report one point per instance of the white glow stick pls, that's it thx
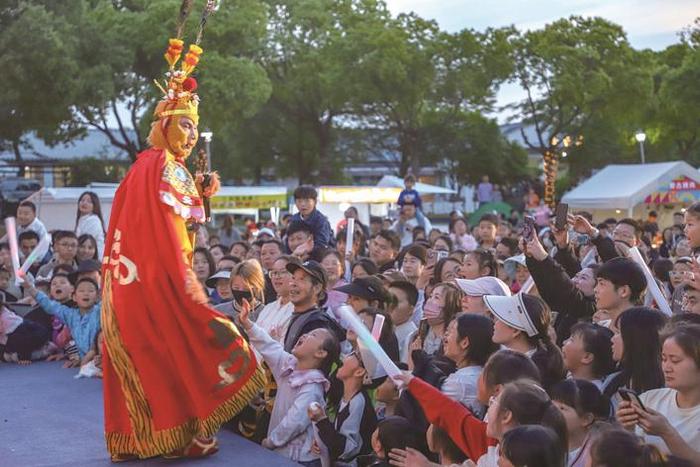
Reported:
(378, 325)
(38, 252)
(349, 239)
(653, 287)
(355, 324)
(11, 229)
(527, 286)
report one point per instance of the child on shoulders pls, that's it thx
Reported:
(301, 379)
(409, 195)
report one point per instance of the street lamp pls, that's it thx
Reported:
(207, 135)
(640, 136)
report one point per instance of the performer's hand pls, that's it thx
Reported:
(244, 315)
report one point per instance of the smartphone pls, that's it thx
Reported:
(631, 396)
(561, 214)
(431, 257)
(441, 254)
(583, 239)
(528, 228)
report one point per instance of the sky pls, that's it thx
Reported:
(653, 24)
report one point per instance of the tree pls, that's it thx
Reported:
(574, 71)
(414, 70)
(39, 69)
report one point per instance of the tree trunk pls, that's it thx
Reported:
(18, 158)
(323, 133)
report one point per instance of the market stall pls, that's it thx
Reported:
(634, 190)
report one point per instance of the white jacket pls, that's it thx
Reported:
(290, 431)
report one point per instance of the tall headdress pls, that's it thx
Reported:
(179, 97)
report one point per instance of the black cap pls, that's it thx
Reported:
(369, 288)
(312, 268)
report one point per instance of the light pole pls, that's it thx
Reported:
(207, 135)
(640, 136)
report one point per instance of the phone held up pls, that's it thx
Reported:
(561, 214)
(529, 228)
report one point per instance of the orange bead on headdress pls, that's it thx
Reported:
(179, 96)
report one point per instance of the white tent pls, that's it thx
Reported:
(422, 188)
(623, 189)
(57, 207)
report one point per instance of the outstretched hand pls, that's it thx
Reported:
(244, 315)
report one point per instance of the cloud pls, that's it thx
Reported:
(649, 23)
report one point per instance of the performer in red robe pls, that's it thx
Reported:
(174, 368)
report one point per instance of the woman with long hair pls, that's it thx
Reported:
(203, 264)
(468, 343)
(522, 323)
(670, 417)
(87, 248)
(88, 219)
(636, 347)
(440, 308)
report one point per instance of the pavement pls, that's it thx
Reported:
(48, 418)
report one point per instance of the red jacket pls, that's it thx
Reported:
(466, 430)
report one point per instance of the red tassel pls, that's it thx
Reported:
(190, 84)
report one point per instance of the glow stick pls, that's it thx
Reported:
(11, 229)
(377, 328)
(659, 297)
(38, 252)
(349, 239)
(368, 341)
(527, 286)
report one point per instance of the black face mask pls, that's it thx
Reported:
(240, 295)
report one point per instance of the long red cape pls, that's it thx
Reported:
(173, 369)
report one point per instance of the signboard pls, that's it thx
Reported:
(683, 190)
(223, 203)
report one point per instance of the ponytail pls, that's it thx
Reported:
(547, 356)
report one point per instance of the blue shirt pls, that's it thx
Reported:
(319, 225)
(83, 328)
(410, 196)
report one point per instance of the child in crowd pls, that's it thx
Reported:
(409, 195)
(83, 320)
(393, 433)
(588, 354)
(21, 340)
(305, 197)
(530, 445)
(301, 379)
(27, 220)
(584, 408)
(349, 435)
(5, 278)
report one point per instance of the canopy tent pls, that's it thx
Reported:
(630, 189)
(57, 207)
(422, 188)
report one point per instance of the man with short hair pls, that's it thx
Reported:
(626, 234)
(620, 284)
(27, 219)
(507, 248)
(404, 298)
(28, 241)
(307, 292)
(383, 249)
(410, 218)
(65, 246)
(413, 262)
(305, 197)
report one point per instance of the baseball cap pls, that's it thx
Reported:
(223, 274)
(311, 268)
(266, 231)
(369, 288)
(511, 310)
(519, 259)
(487, 285)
